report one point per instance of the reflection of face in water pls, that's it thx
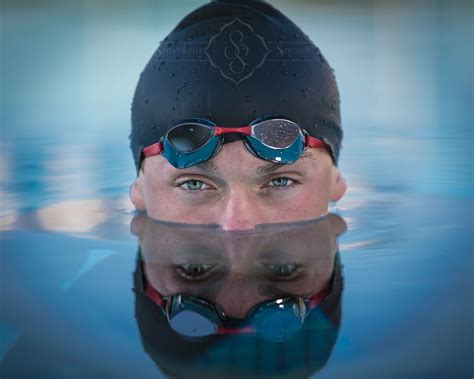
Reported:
(236, 272)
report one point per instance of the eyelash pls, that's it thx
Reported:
(181, 185)
(294, 271)
(183, 271)
(279, 188)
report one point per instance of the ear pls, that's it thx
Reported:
(136, 193)
(339, 186)
(137, 224)
(338, 224)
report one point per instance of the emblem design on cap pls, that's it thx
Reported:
(237, 51)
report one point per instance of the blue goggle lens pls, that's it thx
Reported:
(278, 134)
(191, 324)
(189, 137)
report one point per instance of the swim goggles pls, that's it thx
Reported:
(197, 140)
(275, 320)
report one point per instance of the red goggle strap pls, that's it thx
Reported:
(154, 149)
(247, 130)
(314, 142)
(317, 299)
(154, 295)
(226, 331)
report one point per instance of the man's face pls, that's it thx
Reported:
(237, 190)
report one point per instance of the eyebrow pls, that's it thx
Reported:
(272, 291)
(209, 288)
(262, 170)
(269, 167)
(265, 169)
(273, 166)
(208, 166)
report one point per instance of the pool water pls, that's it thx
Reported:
(70, 306)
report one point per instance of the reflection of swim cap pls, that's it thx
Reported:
(233, 61)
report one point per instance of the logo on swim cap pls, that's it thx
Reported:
(237, 51)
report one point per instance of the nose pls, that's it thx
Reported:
(240, 211)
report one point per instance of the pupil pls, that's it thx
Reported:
(194, 184)
(281, 182)
(281, 270)
(195, 270)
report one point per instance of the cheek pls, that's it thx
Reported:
(311, 198)
(309, 201)
(164, 203)
(319, 190)
(160, 200)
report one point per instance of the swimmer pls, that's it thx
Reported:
(236, 122)
(267, 305)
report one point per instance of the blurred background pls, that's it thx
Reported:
(69, 70)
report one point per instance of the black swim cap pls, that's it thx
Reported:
(232, 62)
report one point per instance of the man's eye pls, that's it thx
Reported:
(281, 182)
(283, 270)
(195, 270)
(194, 185)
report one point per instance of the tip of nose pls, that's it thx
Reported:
(237, 227)
(240, 210)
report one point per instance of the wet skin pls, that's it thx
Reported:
(237, 190)
(236, 271)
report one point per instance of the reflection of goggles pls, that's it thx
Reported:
(275, 320)
(197, 140)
